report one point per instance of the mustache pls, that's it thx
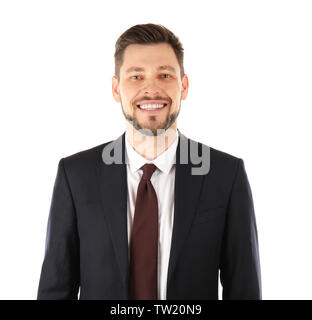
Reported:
(152, 98)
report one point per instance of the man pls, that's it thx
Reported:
(140, 217)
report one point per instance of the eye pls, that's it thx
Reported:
(166, 75)
(135, 77)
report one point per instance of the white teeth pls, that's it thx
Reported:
(151, 106)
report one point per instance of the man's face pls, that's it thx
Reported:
(150, 78)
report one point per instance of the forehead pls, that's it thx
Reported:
(149, 55)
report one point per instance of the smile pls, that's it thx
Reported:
(153, 106)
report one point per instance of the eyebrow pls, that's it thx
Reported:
(160, 68)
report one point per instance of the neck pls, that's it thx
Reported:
(150, 147)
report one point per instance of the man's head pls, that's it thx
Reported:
(149, 73)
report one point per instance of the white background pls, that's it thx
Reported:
(250, 72)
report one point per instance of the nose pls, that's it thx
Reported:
(151, 88)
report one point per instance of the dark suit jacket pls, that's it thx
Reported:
(214, 230)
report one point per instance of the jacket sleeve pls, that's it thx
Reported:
(59, 278)
(239, 264)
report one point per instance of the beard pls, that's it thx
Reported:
(170, 119)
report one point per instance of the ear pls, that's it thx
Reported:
(185, 86)
(115, 89)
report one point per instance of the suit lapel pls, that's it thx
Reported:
(186, 196)
(113, 192)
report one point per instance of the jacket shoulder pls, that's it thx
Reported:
(222, 165)
(223, 170)
(219, 156)
(84, 158)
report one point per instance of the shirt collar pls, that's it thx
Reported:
(163, 162)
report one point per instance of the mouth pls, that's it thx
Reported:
(152, 106)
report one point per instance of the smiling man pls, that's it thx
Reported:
(153, 214)
(155, 107)
(149, 83)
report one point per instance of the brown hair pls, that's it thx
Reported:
(147, 34)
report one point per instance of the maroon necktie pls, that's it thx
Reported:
(144, 240)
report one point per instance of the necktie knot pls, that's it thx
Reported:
(148, 170)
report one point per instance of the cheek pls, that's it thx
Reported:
(128, 93)
(174, 92)
(174, 87)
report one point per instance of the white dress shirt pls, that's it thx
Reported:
(163, 182)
